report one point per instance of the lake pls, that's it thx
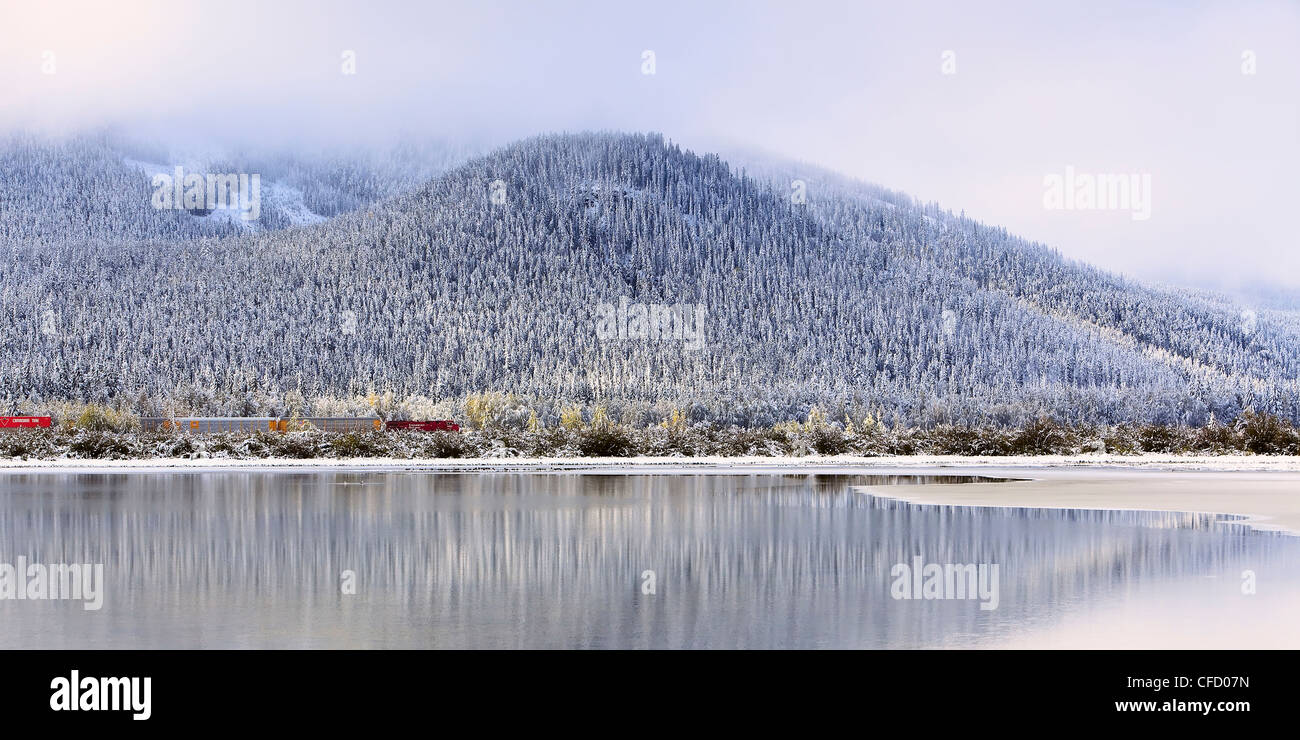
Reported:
(766, 559)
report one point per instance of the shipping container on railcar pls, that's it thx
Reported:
(434, 425)
(340, 423)
(209, 424)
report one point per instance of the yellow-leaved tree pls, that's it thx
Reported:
(571, 417)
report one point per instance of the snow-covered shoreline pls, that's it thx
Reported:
(668, 465)
(1260, 492)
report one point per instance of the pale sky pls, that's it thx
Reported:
(1124, 87)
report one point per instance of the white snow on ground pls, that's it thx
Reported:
(191, 165)
(284, 198)
(667, 465)
(289, 201)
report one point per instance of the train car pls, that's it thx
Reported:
(14, 423)
(337, 423)
(219, 424)
(209, 424)
(436, 425)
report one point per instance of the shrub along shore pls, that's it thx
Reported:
(101, 438)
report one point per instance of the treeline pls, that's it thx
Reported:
(492, 275)
(95, 435)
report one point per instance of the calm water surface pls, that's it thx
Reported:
(523, 560)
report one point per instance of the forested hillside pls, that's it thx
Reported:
(97, 187)
(492, 276)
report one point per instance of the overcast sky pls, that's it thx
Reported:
(865, 88)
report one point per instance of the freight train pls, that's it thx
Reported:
(217, 424)
(24, 422)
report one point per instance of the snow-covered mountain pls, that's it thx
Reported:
(508, 271)
(99, 187)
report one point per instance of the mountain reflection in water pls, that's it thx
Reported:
(560, 560)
